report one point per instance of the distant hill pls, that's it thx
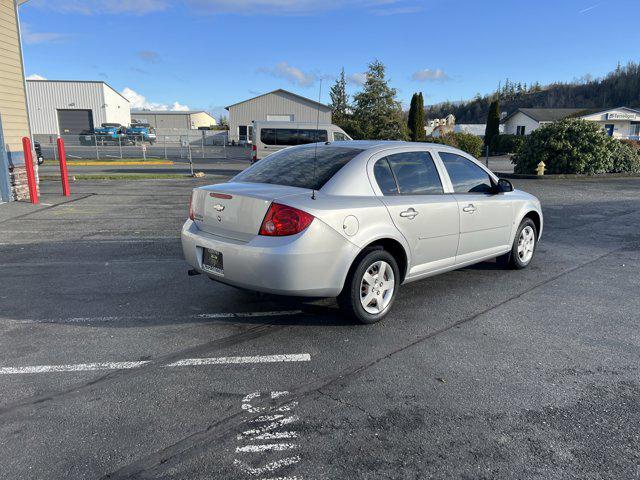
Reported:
(619, 88)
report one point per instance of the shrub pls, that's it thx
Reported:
(626, 156)
(567, 146)
(466, 142)
(506, 143)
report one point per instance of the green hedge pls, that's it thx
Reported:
(505, 143)
(575, 146)
(466, 142)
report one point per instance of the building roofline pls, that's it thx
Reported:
(571, 112)
(599, 111)
(276, 91)
(171, 112)
(79, 81)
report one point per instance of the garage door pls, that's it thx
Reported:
(74, 122)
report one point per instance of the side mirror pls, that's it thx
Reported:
(504, 186)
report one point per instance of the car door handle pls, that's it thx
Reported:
(469, 208)
(410, 214)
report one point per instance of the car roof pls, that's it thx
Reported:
(372, 146)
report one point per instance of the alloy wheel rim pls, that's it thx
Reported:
(377, 287)
(526, 244)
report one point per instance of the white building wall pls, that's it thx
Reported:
(118, 108)
(275, 103)
(45, 97)
(520, 119)
(621, 122)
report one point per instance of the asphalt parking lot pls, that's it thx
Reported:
(115, 364)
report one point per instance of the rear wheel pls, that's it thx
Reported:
(523, 248)
(371, 287)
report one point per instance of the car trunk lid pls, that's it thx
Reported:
(236, 210)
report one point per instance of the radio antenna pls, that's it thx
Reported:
(315, 150)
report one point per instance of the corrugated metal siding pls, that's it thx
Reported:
(12, 96)
(278, 103)
(46, 97)
(118, 109)
(202, 119)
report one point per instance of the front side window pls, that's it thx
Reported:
(339, 137)
(304, 167)
(466, 176)
(520, 130)
(415, 173)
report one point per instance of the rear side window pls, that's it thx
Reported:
(268, 136)
(384, 177)
(291, 136)
(295, 167)
(466, 176)
(415, 173)
(311, 136)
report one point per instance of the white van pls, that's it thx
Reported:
(269, 137)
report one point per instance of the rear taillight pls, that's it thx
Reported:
(282, 220)
(254, 149)
(192, 215)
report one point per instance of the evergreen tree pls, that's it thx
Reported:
(376, 112)
(340, 102)
(420, 133)
(411, 118)
(493, 122)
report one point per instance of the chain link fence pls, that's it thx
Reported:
(208, 144)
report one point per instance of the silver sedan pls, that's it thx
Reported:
(355, 220)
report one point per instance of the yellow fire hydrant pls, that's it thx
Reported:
(540, 169)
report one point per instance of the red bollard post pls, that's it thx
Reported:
(62, 156)
(28, 163)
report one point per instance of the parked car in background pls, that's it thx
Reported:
(110, 133)
(356, 219)
(141, 132)
(269, 137)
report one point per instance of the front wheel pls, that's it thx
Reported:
(523, 248)
(371, 287)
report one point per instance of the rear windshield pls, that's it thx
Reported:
(294, 167)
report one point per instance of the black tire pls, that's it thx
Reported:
(513, 259)
(349, 298)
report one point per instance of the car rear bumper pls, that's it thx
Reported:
(313, 263)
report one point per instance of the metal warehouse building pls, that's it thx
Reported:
(278, 106)
(60, 107)
(170, 121)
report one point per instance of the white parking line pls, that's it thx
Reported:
(81, 367)
(277, 447)
(298, 357)
(87, 367)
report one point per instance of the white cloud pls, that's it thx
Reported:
(291, 73)
(31, 38)
(427, 75)
(35, 76)
(239, 7)
(357, 78)
(92, 7)
(140, 102)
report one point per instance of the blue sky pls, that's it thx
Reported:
(205, 54)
